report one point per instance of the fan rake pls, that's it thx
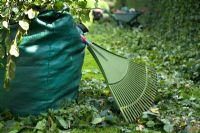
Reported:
(133, 85)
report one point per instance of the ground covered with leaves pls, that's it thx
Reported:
(176, 107)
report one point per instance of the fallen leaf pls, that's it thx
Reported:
(41, 125)
(62, 122)
(150, 123)
(97, 120)
(139, 128)
(155, 110)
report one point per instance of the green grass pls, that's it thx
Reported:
(89, 68)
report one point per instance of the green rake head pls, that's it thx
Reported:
(133, 85)
(135, 92)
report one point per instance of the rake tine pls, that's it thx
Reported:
(134, 115)
(130, 114)
(143, 106)
(149, 94)
(133, 112)
(139, 108)
(125, 115)
(136, 109)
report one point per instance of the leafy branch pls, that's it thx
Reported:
(22, 12)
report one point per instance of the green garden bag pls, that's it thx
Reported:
(48, 71)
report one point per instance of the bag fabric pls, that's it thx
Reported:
(48, 70)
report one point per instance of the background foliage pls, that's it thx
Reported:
(175, 20)
(172, 19)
